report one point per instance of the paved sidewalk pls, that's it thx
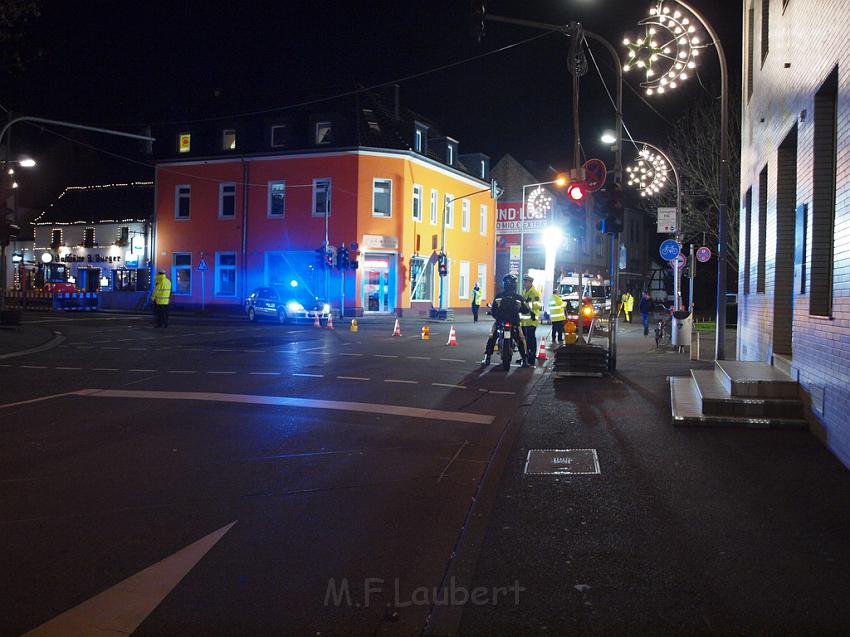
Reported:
(684, 532)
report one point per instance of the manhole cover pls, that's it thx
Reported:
(561, 462)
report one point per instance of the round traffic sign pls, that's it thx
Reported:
(669, 249)
(703, 254)
(595, 174)
(680, 261)
(354, 246)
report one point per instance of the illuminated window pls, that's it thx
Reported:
(228, 139)
(382, 190)
(227, 200)
(277, 198)
(184, 142)
(323, 132)
(181, 273)
(421, 279)
(225, 274)
(183, 203)
(420, 139)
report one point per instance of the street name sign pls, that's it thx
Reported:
(667, 220)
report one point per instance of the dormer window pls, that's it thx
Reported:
(228, 139)
(371, 120)
(450, 154)
(278, 135)
(420, 139)
(323, 132)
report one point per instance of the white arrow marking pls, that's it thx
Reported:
(121, 609)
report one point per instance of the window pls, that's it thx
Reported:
(748, 238)
(417, 141)
(183, 204)
(228, 139)
(323, 132)
(450, 154)
(225, 274)
(823, 199)
(184, 142)
(417, 203)
(227, 200)
(482, 172)
(420, 139)
(421, 279)
(482, 279)
(449, 210)
(464, 215)
(483, 213)
(278, 135)
(322, 197)
(751, 34)
(55, 239)
(371, 120)
(124, 236)
(88, 238)
(277, 198)
(765, 29)
(382, 191)
(434, 197)
(761, 259)
(181, 273)
(463, 280)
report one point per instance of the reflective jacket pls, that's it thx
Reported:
(476, 296)
(532, 298)
(628, 302)
(557, 311)
(161, 290)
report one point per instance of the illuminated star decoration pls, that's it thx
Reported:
(667, 50)
(649, 174)
(538, 201)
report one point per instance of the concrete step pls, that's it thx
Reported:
(716, 401)
(746, 379)
(686, 407)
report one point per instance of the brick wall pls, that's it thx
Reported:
(805, 47)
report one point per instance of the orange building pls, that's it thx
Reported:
(251, 203)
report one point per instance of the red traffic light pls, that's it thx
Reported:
(576, 191)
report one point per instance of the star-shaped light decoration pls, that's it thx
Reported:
(666, 52)
(538, 201)
(649, 174)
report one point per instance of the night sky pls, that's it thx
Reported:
(126, 64)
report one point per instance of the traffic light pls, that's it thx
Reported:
(342, 261)
(614, 211)
(443, 264)
(330, 256)
(576, 226)
(576, 191)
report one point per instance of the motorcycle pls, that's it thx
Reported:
(505, 341)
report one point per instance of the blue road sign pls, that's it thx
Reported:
(669, 249)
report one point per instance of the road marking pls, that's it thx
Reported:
(255, 351)
(420, 358)
(352, 378)
(314, 349)
(349, 354)
(38, 400)
(291, 401)
(120, 610)
(225, 350)
(34, 366)
(135, 349)
(453, 360)
(449, 385)
(182, 371)
(406, 382)
(105, 369)
(70, 368)
(502, 393)
(309, 375)
(143, 371)
(264, 373)
(110, 347)
(385, 355)
(221, 372)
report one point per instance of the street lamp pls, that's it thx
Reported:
(539, 201)
(667, 53)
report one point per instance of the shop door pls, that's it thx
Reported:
(376, 285)
(88, 279)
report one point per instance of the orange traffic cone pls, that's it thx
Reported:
(354, 326)
(316, 320)
(426, 333)
(541, 351)
(330, 324)
(397, 329)
(452, 337)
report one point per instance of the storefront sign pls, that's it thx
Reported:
(380, 242)
(514, 263)
(89, 258)
(508, 219)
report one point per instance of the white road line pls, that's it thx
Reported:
(384, 355)
(5, 365)
(38, 400)
(352, 378)
(449, 385)
(406, 382)
(225, 350)
(254, 351)
(503, 393)
(264, 373)
(110, 348)
(138, 349)
(66, 368)
(141, 371)
(104, 369)
(419, 358)
(349, 354)
(221, 372)
(313, 349)
(291, 401)
(453, 360)
(182, 371)
(34, 366)
(309, 375)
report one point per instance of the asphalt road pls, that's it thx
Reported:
(306, 460)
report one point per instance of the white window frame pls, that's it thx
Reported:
(323, 123)
(224, 133)
(482, 279)
(450, 154)
(219, 268)
(375, 182)
(175, 268)
(417, 140)
(465, 214)
(463, 280)
(328, 202)
(483, 219)
(221, 187)
(435, 197)
(272, 183)
(418, 195)
(449, 210)
(428, 298)
(178, 196)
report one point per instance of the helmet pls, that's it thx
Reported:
(509, 283)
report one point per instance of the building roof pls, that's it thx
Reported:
(105, 203)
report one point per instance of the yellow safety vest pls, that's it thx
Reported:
(476, 296)
(628, 302)
(532, 298)
(557, 309)
(161, 290)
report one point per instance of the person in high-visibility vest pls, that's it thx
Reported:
(160, 297)
(530, 322)
(558, 315)
(628, 304)
(477, 296)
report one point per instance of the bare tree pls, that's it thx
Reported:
(14, 15)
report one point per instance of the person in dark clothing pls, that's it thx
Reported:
(506, 308)
(645, 308)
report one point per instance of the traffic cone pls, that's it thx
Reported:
(397, 329)
(354, 326)
(330, 324)
(316, 320)
(541, 351)
(426, 333)
(452, 337)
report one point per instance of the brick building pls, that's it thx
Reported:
(794, 277)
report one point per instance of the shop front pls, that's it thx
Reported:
(378, 272)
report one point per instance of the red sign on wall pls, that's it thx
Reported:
(509, 214)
